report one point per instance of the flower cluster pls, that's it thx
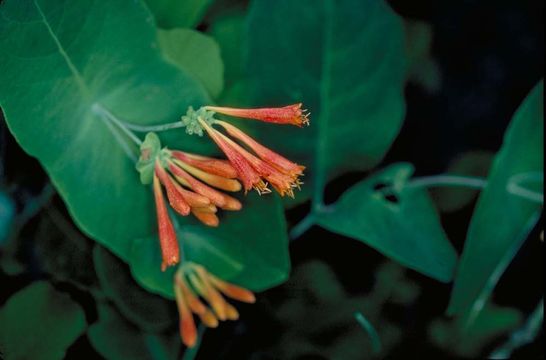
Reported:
(195, 184)
(193, 283)
(191, 183)
(262, 166)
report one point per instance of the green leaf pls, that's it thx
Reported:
(501, 220)
(492, 322)
(228, 31)
(39, 322)
(471, 163)
(345, 61)
(403, 226)
(61, 251)
(249, 248)
(64, 65)
(196, 53)
(116, 339)
(178, 13)
(147, 311)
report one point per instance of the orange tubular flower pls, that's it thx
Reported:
(167, 236)
(193, 282)
(253, 170)
(291, 114)
(185, 178)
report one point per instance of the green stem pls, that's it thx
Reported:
(372, 333)
(99, 109)
(154, 128)
(523, 335)
(302, 226)
(322, 129)
(447, 180)
(514, 186)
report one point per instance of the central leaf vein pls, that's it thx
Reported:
(77, 76)
(321, 143)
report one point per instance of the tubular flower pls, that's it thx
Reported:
(167, 236)
(194, 288)
(254, 170)
(291, 114)
(186, 179)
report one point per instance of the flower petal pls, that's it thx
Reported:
(219, 182)
(188, 332)
(291, 114)
(269, 156)
(249, 177)
(210, 165)
(176, 200)
(170, 251)
(219, 199)
(233, 291)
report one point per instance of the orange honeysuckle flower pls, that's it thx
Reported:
(167, 236)
(253, 170)
(216, 197)
(191, 284)
(212, 166)
(272, 158)
(291, 114)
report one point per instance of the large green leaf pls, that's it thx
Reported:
(196, 53)
(501, 220)
(62, 62)
(403, 226)
(345, 61)
(249, 248)
(116, 339)
(228, 31)
(39, 323)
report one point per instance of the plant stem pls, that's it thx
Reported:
(370, 330)
(447, 180)
(302, 226)
(99, 109)
(515, 188)
(523, 335)
(155, 128)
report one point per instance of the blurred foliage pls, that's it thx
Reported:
(39, 322)
(117, 339)
(7, 211)
(318, 315)
(472, 163)
(422, 69)
(149, 312)
(491, 322)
